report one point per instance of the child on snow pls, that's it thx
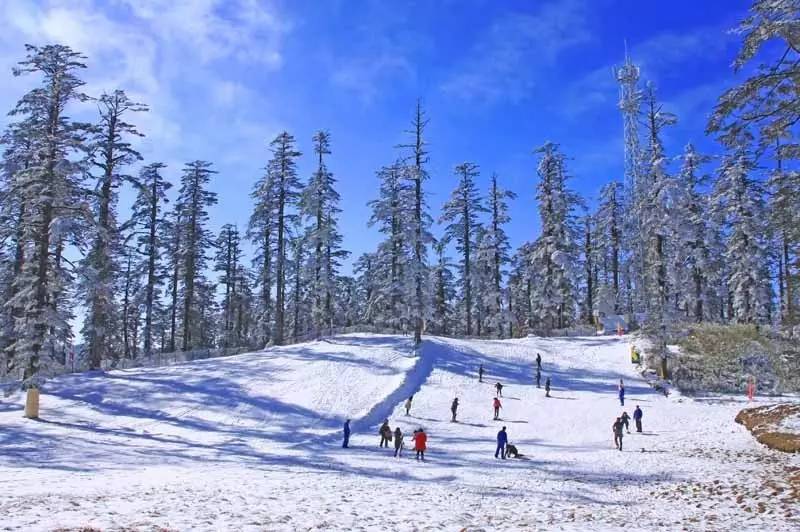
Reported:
(497, 406)
(499, 389)
(617, 429)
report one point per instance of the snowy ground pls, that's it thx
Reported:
(252, 443)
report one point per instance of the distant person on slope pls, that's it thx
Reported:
(621, 394)
(511, 450)
(386, 434)
(538, 361)
(408, 404)
(420, 443)
(454, 409)
(538, 378)
(499, 388)
(480, 373)
(502, 440)
(625, 421)
(637, 418)
(346, 430)
(617, 429)
(398, 442)
(497, 406)
(547, 387)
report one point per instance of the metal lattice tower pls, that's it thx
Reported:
(629, 103)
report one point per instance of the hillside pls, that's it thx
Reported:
(252, 442)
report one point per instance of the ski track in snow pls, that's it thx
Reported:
(252, 442)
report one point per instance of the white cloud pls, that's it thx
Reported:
(506, 61)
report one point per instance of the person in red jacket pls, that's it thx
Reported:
(497, 407)
(420, 443)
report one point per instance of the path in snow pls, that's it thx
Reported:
(252, 442)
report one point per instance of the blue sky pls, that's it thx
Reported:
(497, 80)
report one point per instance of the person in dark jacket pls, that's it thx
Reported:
(617, 429)
(346, 431)
(625, 421)
(480, 373)
(538, 378)
(454, 409)
(502, 440)
(386, 433)
(497, 406)
(499, 388)
(511, 450)
(538, 361)
(547, 387)
(637, 418)
(621, 395)
(408, 404)
(398, 442)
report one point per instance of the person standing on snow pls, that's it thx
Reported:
(637, 418)
(386, 433)
(547, 387)
(617, 429)
(398, 442)
(538, 378)
(346, 431)
(502, 440)
(497, 406)
(420, 443)
(480, 373)
(538, 362)
(454, 409)
(408, 403)
(621, 394)
(625, 421)
(499, 388)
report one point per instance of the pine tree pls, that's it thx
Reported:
(261, 232)
(110, 152)
(286, 195)
(609, 224)
(460, 213)
(48, 189)
(227, 261)
(444, 292)
(194, 199)
(497, 248)
(320, 205)
(150, 226)
(366, 286)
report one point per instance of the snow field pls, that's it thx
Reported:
(252, 442)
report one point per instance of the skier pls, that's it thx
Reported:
(408, 404)
(621, 394)
(547, 387)
(625, 421)
(454, 409)
(480, 373)
(502, 440)
(346, 441)
(398, 442)
(538, 361)
(386, 434)
(420, 443)
(617, 429)
(538, 378)
(637, 418)
(499, 388)
(497, 407)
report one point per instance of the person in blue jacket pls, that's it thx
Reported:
(346, 441)
(621, 395)
(502, 440)
(637, 418)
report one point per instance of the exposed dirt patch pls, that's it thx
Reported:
(765, 421)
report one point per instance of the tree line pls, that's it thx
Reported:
(680, 238)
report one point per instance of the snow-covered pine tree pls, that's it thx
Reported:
(498, 248)
(609, 224)
(460, 214)
(320, 206)
(739, 199)
(366, 286)
(150, 227)
(110, 151)
(227, 261)
(194, 199)
(419, 224)
(520, 290)
(298, 304)
(444, 292)
(387, 306)
(286, 197)
(767, 103)
(48, 189)
(173, 230)
(261, 232)
(555, 252)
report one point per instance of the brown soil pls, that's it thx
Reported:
(763, 421)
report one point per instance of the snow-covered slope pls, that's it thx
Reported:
(252, 442)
